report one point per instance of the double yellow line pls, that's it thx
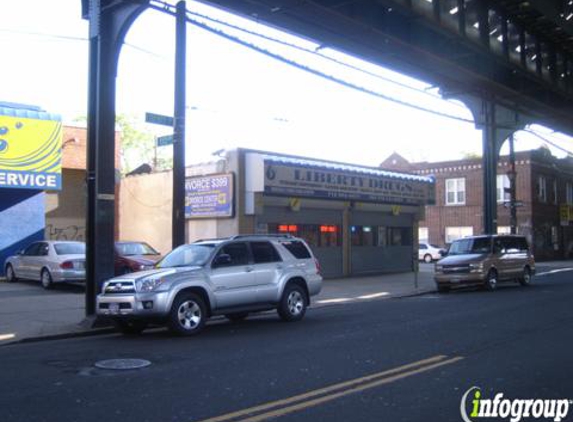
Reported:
(322, 395)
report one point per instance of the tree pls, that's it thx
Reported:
(137, 145)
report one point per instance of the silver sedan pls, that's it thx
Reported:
(49, 262)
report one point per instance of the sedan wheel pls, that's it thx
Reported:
(428, 258)
(10, 275)
(46, 279)
(188, 315)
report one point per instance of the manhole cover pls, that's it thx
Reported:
(122, 364)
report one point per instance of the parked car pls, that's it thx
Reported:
(48, 262)
(486, 261)
(134, 256)
(229, 276)
(428, 252)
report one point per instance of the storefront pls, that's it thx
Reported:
(358, 220)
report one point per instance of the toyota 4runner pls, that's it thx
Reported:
(230, 276)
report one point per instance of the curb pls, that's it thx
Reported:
(63, 336)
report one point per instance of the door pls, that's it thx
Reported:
(268, 269)
(38, 260)
(24, 267)
(232, 276)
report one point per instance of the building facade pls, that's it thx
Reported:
(544, 195)
(357, 220)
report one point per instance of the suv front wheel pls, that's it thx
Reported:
(293, 303)
(188, 314)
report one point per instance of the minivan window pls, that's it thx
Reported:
(470, 246)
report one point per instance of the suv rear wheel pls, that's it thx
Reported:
(188, 314)
(293, 303)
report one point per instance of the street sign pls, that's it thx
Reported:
(159, 119)
(164, 140)
(516, 204)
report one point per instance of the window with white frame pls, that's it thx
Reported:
(423, 234)
(502, 184)
(503, 229)
(456, 191)
(453, 233)
(569, 193)
(542, 188)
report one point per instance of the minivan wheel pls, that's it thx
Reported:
(188, 315)
(46, 279)
(427, 258)
(491, 280)
(525, 279)
(10, 274)
(293, 303)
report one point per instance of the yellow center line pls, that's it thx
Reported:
(334, 396)
(348, 385)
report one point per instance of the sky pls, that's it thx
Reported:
(237, 97)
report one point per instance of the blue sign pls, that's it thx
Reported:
(159, 119)
(209, 196)
(164, 140)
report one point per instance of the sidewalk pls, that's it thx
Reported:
(29, 312)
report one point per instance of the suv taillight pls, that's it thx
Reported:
(67, 265)
(317, 264)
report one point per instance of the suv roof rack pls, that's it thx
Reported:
(240, 236)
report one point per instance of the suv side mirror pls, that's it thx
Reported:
(222, 260)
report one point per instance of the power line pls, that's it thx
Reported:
(311, 70)
(553, 144)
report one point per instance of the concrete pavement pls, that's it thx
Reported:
(28, 312)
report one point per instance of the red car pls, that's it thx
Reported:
(134, 256)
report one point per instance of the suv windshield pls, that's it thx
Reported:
(135, 248)
(187, 256)
(470, 246)
(70, 248)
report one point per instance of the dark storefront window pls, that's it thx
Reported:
(316, 235)
(399, 236)
(363, 235)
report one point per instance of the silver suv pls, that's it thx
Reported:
(231, 277)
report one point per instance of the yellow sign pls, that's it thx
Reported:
(30, 148)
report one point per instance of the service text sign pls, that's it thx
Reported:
(209, 196)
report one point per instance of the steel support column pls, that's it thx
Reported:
(178, 214)
(109, 22)
(489, 161)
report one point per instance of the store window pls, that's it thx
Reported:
(423, 234)
(316, 235)
(363, 235)
(456, 191)
(542, 189)
(399, 236)
(453, 233)
(569, 193)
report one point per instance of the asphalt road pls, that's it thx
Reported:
(409, 359)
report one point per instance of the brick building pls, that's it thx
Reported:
(544, 190)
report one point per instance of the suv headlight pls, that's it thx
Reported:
(476, 268)
(148, 284)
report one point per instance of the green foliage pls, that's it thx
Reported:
(138, 145)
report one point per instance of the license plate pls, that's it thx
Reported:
(114, 308)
